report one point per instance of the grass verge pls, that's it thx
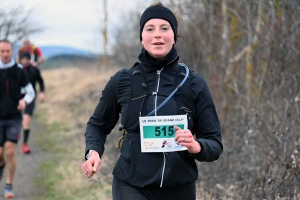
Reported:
(67, 108)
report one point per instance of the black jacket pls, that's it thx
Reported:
(11, 81)
(34, 75)
(154, 169)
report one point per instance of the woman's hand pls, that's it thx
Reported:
(185, 138)
(90, 167)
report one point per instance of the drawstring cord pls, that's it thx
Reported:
(118, 144)
(172, 94)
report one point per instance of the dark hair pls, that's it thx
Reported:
(7, 42)
(156, 4)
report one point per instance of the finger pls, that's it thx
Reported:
(96, 165)
(184, 140)
(87, 173)
(87, 166)
(177, 128)
(84, 168)
(178, 131)
(84, 171)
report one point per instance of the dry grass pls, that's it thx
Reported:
(64, 86)
(72, 95)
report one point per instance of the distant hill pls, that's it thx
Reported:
(67, 61)
(54, 51)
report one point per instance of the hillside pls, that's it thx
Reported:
(50, 51)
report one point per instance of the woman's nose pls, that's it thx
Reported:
(157, 33)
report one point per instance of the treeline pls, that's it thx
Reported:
(249, 53)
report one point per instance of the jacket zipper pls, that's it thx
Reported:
(155, 93)
(158, 81)
(163, 171)
(155, 104)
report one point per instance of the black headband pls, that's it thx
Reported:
(159, 12)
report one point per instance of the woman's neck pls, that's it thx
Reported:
(158, 63)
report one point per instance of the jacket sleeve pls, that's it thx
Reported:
(29, 91)
(207, 126)
(40, 80)
(103, 119)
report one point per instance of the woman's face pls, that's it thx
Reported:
(158, 38)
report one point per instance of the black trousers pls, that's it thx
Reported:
(124, 191)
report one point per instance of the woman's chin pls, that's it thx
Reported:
(158, 55)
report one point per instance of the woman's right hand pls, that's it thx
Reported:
(90, 167)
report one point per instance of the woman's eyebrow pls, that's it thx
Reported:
(159, 25)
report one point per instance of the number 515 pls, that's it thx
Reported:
(163, 130)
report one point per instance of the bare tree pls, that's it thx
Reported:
(17, 23)
(104, 33)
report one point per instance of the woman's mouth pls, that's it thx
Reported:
(158, 43)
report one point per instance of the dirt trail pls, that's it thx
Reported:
(25, 185)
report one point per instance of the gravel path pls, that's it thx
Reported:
(25, 185)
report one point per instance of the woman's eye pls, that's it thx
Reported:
(164, 28)
(149, 29)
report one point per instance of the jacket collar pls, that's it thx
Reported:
(7, 65)
(168, 61)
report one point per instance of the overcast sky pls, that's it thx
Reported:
(75, 23)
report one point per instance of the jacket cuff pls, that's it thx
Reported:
(99, 150)
(199, 156)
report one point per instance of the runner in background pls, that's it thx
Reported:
(12, 79)
(37, 57)
(34, 75)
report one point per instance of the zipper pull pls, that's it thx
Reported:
(158, 72)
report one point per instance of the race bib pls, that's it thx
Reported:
(158, 133)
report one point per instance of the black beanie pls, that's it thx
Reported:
(25, 54)
(159, 12)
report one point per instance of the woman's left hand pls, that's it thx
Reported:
(185, 138)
